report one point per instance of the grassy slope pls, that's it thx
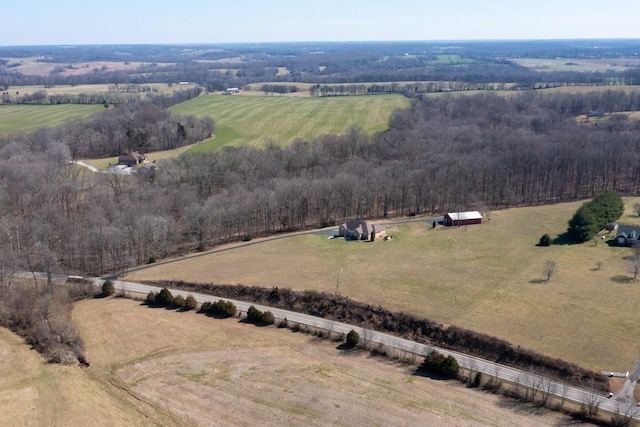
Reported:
(33, 392)
(230, 373)
(15, 118)
(483, 278)
(252, 120)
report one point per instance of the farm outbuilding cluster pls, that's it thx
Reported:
(355, 229)
(462, 218)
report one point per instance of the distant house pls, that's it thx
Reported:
(462, 218)
(355, 229)
(231, 91)
(627, 235)
(131, 159)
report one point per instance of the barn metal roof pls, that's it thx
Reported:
(457, 216)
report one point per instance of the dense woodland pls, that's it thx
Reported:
(442, 154)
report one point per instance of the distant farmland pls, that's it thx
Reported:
(252, 120)
(17, 118)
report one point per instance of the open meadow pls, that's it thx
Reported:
(254, 120)
(162, 367)
(38, 67)
(21, 118)
(488, 278)
(578, 64)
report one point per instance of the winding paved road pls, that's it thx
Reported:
(623, 402)
(619, 403)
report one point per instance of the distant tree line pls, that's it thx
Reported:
(333, 64)
(115, 96)
(279, 89)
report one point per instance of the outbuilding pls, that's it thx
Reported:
(462, 218)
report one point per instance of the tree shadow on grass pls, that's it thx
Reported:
(346, 347)
(564, 239)
(423, 373)
(621, 278)
(538, 281)
(521, 408)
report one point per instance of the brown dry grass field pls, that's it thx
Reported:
(33, 66)
(578, 64)
(486, 277)
(161, 88)
(160, 367)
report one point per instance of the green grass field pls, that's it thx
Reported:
(18, 118)
(486, 278)
(253, 120)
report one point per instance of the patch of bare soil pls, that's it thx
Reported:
(224, 372)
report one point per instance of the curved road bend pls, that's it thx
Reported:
(615, 404)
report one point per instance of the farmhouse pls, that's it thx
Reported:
(627, 235)
(462, 218)
(231, 91)
(131, 159)
(355, 229)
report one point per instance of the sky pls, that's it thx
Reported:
(55, 22)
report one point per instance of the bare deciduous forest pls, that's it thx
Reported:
(442, 154)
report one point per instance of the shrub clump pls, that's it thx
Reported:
(545, 240)
(438, 363)
(219, 308)
(352, 338)
(108, 288)
(261, 318)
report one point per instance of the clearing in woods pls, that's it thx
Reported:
(22, 118)
(162, 367)
(254, 120)
(487, 278)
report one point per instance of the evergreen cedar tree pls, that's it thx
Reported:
(352, 338)
(592, 216)
(440, 364)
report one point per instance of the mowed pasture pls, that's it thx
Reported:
(254, 120)
(488, 278)
(21, 118)
(162, 367)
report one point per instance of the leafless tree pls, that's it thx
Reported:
(548, 389)
(624, 414)
(548, 269)
(564, 392)
(591, 404)
(636, 208)
(633, 261)
(598, 265)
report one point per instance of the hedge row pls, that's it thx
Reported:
(405, 325)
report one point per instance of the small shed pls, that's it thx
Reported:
(462, 218)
